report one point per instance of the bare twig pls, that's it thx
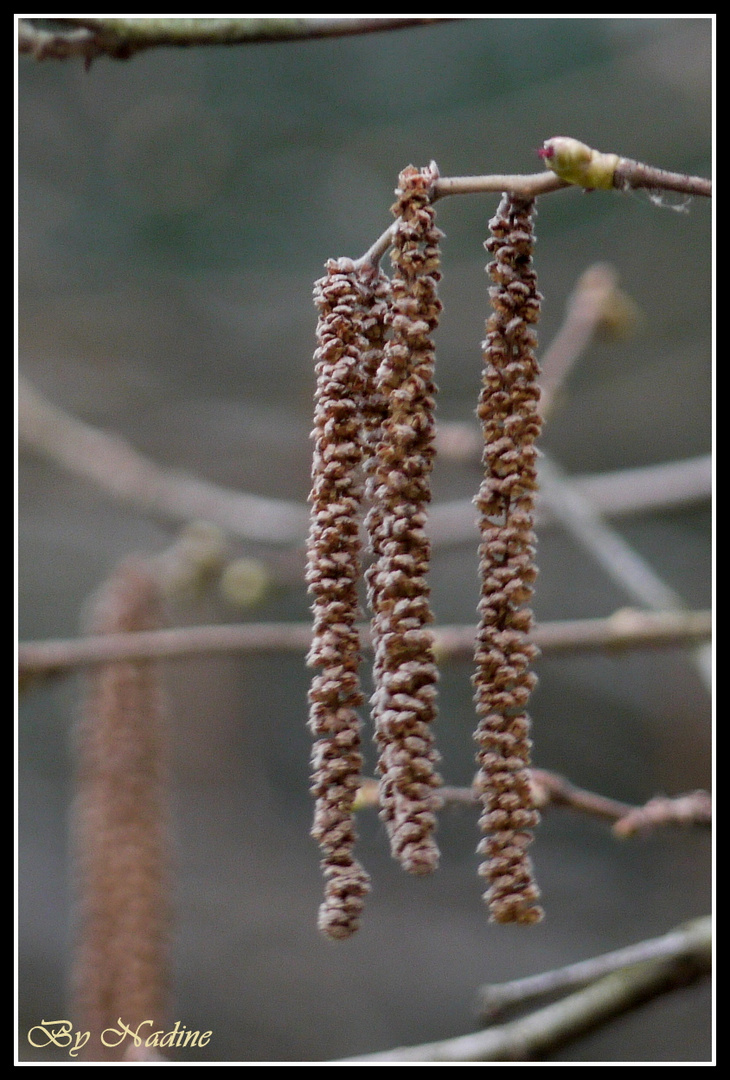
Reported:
(529, 186)
(121, 38)
(623, 630)
(684, 940)
(651, 487)
(44, 44)
(628, 569)
(633, 174)
(545, 1030)
(549, 789)
(596, 303)
(691, 809)
(628, 174)
(694, 808)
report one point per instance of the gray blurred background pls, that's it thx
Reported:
(174, 212)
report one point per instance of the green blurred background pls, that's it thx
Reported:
(174, 211)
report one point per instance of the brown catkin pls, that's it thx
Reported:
(508, 410)
(345, 332)
(120, 833)
(404, 671)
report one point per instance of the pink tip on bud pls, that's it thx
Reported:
(546, 152)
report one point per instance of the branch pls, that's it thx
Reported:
(623, 630)
(691, 809)
(627, 568)
(624, 565)
(683, 941)
(541, 1033)
(121, 38)
(115, 466)
(624, 174)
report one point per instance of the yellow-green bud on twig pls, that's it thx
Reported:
(576, 163)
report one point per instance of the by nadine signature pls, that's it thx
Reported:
(62, 1034)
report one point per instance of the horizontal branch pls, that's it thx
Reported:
(626, 629)
(528, 185)
(542, 1032)
(121, 38)
(625, 491)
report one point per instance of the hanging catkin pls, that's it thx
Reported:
(121, 836)
(404, 671)
(345, 329)
(508, 410)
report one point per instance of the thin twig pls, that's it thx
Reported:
(549, 789)
(634, 174)
(692, 809)
(684, 940)
(623, 630)
(544, 1031)
(595, 303)
(44, 44)
(628, 569)
(527, 185)
(625, 491)
(629, 174)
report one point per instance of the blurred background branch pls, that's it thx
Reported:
(683, 957)
(626, 629)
